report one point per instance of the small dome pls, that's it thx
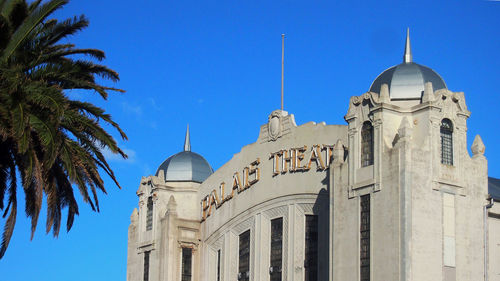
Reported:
(185, 165)
(407, 80)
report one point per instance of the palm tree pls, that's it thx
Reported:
(49, 143)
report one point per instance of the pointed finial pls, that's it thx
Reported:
(384, 93)
(478, 146)
(338, 152)
(187, 141)
(407, 58)
(428, 92)
(134, 217)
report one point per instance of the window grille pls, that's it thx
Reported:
(446, 142)
(311, 248)
(187, 254)
(218, 265)
(276, 249)
(146, 266)
(366, 144)
(365, 238)
(149, 214)
(244, 257)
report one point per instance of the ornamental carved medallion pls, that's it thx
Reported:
(274, 125)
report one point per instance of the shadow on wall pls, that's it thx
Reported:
(321, 209)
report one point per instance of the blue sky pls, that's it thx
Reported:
(217, 66)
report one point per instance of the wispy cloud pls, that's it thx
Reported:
(154, 105)
(132, 109)
(113, 157)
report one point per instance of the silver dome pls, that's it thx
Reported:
(185, 165)
(407, 80)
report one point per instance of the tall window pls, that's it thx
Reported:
(146, 266)
(446, 142)
(149, 214)
(364, 254)
(366, 144)
(244, 257)
(187, 256)
(276, 249)
(311, 248)
(218, 265)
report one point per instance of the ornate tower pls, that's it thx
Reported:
(164, 233)
(407, 202)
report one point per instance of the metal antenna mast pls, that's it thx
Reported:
(282, 66)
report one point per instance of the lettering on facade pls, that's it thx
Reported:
(301, 159)
(239, 183)
(297, 159)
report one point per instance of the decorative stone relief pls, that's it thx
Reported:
(361, 105)
(307, 208)
(143, 186)
(247, 224)
(274, 125)
(452, 103)
(218, 243)
(279, 124)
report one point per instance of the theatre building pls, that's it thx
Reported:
(393, 194)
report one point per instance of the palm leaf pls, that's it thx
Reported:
(35, 18)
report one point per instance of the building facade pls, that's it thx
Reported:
(392, 195)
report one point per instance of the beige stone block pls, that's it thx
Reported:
(449, 251)
(448, 200)
(449, 221)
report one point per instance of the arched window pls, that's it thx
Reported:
(446, 142)
(366, 144)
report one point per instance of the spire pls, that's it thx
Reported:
(187, 141)
(407, 58)
(282, 67)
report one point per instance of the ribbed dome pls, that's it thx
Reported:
(407, 80)
(185, 165)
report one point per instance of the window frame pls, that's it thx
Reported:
(186, 262)
(364, 237)
(145, 275)
(446, 139)
(276, 265)
(244, 251)
(218, 272)
(367, 148)
(311, 247)
(149, 213)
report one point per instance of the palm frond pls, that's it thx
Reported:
(52, 142)
(35, 18)
(11, 220)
